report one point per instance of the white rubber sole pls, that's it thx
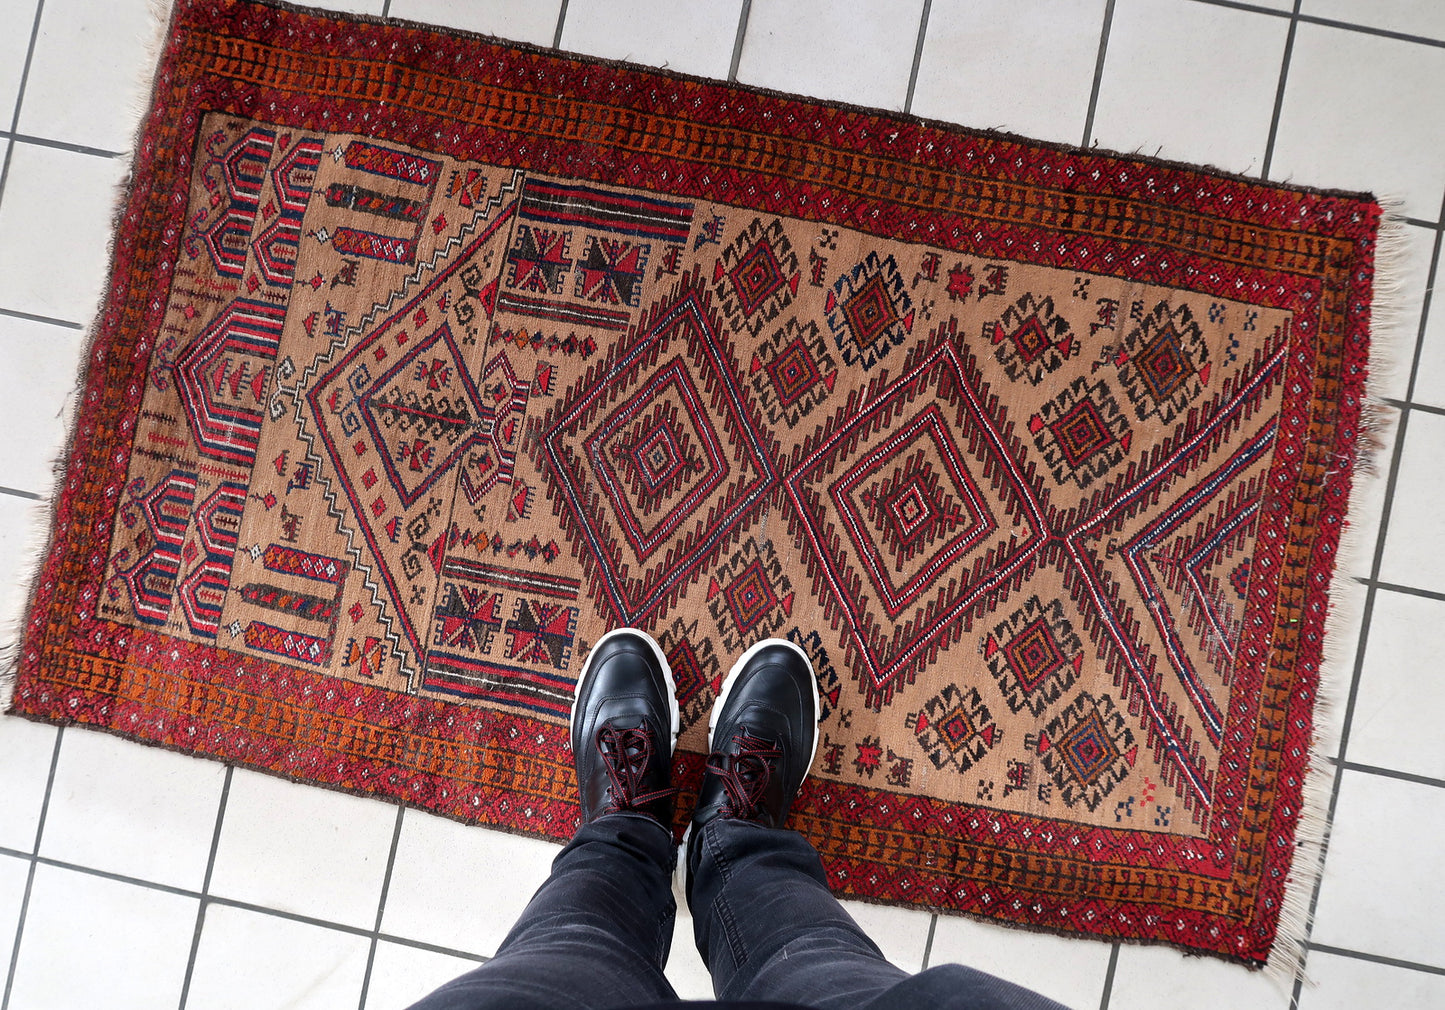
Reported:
(737, 669)
(674, 712)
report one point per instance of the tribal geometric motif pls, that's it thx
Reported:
(1041, 456)
(1030, 340)
(954, 728)
(1087, 749)
(1163, 362)
(1081, 433)
(1034, 655)
(756, 276)
(869, 311)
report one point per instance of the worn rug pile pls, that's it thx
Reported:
(426, 360)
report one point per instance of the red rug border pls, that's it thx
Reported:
(88, 449)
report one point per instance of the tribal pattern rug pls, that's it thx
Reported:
(427, 360)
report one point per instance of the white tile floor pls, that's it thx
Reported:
(137, 878)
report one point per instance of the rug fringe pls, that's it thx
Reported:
(1389, 314)
(42, 518)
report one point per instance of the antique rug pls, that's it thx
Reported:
(426, 360)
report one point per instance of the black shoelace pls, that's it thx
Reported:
(626, 754)
(745, 774)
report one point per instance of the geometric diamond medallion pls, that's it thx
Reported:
(658, 459)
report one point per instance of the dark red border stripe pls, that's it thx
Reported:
(557, 203)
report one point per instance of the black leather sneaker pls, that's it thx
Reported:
(762, 736)
(624, 727)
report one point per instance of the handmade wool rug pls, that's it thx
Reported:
(426, 360)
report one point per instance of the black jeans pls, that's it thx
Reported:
(598, 931)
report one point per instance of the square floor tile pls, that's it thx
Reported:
(302, 849)
(1362, 112)
(459, 886)
(138, 811)
(90, 72)
(693, 36)
(250, 959)
(26, 750)
(16, 22)
(14, 873)
(1146, 978)
(1380, 893)
(901, 933)
(1168, 66)
(401, 975)
(1348, 983)
(851, 52)
(1068, 970)
(1025, 66)
(38, 370)
(1401, 701)
(1430, 377)
(55, 231)
(1415, 542)
(1412, 17)
(534, 21)
(89, 941)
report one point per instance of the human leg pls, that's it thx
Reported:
(598, 930)
(596, 933)
(766, 923)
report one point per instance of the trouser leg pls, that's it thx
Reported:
(769, 928)
(596, 933)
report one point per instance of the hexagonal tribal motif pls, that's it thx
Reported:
(793, 372)
(1031, 340)
(1034, 655)
(1082, 432)
(1163, 362)
(756, 276)
(1087, 749)
(869, 310)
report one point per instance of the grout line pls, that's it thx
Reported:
(1391, 479)
(928, 944)
(14, 124)
(206, 885)
(246, 906)
(561, 20)
(1429, 594)
(1393, 962)
(1391, 773)
(1418, 223)
(1109, 977)
(381, 905)
(1279, 92)
(743, 15)
(1098, 74)
(917, 55)
(1424, 408)
(386, 9)
(16, 313)
(30, 876)
(63, 145)
(16, 492)
(1349, 26)
(1430, 280)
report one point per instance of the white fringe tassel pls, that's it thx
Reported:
(1388, 315)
